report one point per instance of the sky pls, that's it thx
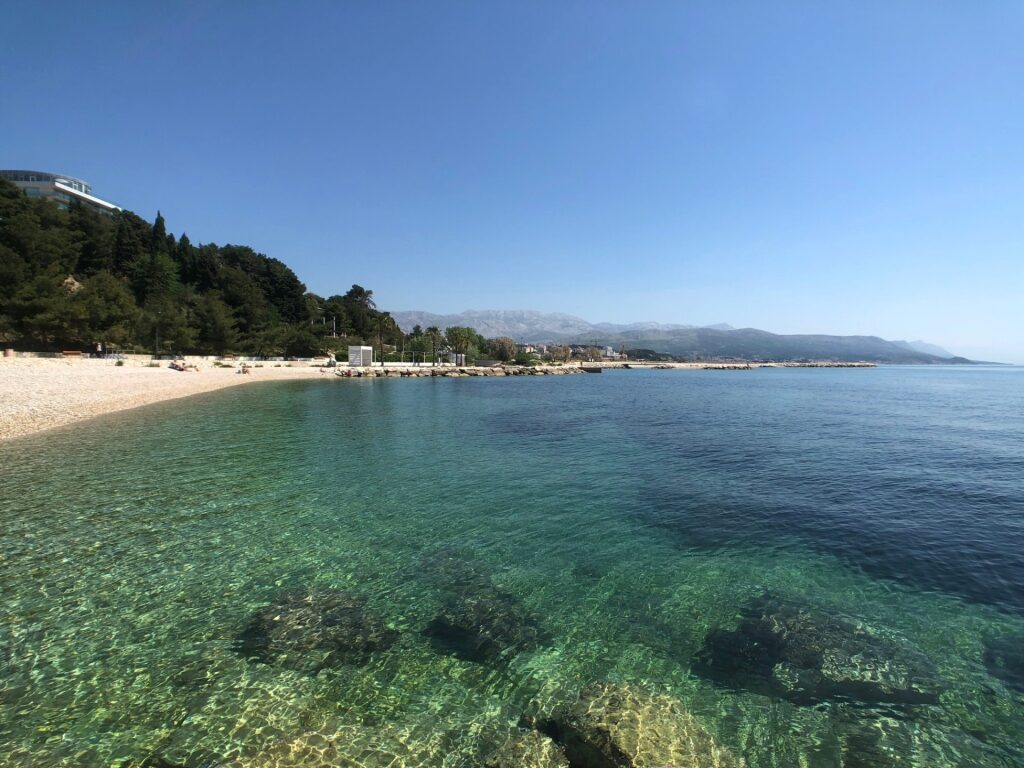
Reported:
(800, 167)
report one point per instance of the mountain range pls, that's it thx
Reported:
(678, 340)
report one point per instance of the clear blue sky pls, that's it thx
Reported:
(793, 166)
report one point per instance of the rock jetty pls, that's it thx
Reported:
(449, 372)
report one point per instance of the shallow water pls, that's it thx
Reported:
(627, 521)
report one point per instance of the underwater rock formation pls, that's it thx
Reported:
(613, 725)
(349, 746)
(528, 750)
(308, 631)
(1004, 660)
(478, 622)
(805, 656)
(453, 570)
(484, 627)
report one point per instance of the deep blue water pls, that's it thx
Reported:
(642, 528)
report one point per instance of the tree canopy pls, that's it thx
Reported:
(72, 278)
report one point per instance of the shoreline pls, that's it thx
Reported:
(40, 394)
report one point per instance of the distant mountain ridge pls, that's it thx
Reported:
(529, 326)
(924, 346)
(688, 341)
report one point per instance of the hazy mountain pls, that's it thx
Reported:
(721, 340)
(752, 344)
(528, 326)
(924, 346)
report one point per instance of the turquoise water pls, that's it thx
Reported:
(632, 527)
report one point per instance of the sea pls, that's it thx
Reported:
(818, 567)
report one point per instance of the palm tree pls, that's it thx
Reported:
(434, 334)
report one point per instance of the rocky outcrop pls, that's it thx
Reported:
(309, 631)
(613, 725)
(805, 656)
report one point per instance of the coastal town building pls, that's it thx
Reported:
(60, 188)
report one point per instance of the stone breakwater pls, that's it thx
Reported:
(452, 373)
(737, 366)
(560, 370)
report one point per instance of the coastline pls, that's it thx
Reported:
(39, 394)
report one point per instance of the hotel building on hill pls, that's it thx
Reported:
(59, 188)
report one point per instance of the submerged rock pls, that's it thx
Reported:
(454, 570)
(349, 747)
(1004, 660)
(615, 725)
(484, 627)
(528, 750)
(478, 622)
(308, 631)
(806, 656)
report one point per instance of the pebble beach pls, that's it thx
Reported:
(37, 394)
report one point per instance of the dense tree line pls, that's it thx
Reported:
(70, 279)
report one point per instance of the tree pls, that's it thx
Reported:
(42, 312)
(559, 353)
(503, 348)
(108, 310)
(460, 339)
(361, 311)
(436, 339)
(385, 325)
(216, 331)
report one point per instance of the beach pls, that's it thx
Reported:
(37, 394)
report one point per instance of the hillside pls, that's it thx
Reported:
(686, 341)
(526, 325)
(75, 279)
(753, 344)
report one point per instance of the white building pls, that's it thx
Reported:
(59, 188)
(360, 357)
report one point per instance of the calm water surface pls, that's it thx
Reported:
(635, 527)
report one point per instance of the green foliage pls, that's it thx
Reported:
(69, 279)
(216, 331)
(503, 348)
(109, 311)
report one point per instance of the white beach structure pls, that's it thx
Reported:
(360, 357)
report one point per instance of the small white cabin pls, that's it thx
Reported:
(360, 357)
